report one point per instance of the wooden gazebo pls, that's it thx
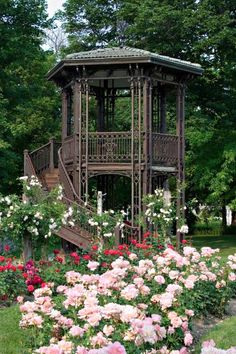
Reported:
(147, 145)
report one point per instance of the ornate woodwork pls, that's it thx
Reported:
(147, 153)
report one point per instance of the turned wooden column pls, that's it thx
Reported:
(181, 154)
(162, 98)
(76, 114)
(64, 115)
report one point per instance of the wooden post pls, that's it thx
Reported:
(64, 115)
(76, 114)
(181, 168)
(162, 110)
(26, 152)
(51, 159)
(132, 89)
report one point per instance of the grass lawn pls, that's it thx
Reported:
(226, 243)
(12, 339)
(223, 335)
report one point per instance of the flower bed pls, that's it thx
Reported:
(133, 305)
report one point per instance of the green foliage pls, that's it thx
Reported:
(29, 105)
(38, 214)
(159, 214)
(11, 284)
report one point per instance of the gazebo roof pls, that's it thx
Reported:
(123, 55)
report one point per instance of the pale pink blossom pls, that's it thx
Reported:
(159, 279)
(76, 331)
(188, 339)
(92, 265)
(108, 330)
(116, 348)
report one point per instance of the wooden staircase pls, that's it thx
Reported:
(51, 178)
(46, 163)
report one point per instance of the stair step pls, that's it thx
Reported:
(75, 237)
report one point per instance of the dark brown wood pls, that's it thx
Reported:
(181, 167)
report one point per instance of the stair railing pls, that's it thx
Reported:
(49, 156)
(29, 169)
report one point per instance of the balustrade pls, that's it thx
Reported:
(116, 147)
(112, 147)
(164, 149)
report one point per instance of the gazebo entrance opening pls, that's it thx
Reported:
(116, 191)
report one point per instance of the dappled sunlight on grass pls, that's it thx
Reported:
(226, 243)
(223, 334)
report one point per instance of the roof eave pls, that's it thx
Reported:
(130, 60)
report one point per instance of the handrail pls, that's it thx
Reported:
(44, 157)
(40, 148)
(164, 134)
(67, 180)
(123, 235)
(29, 169)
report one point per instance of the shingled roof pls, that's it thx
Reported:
(121, 55)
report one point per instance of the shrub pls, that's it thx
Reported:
(134, 305)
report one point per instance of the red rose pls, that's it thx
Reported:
(30, 288)
(6, 248)
(56, 251)
(94, 247)
(87, 257)
(147, 234)
(134, 242)
(43, 285)
(73, 254)
(2, 258)
(184, 241)
(20, 267)
(25, 275)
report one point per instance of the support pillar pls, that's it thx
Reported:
(162, 110)
(181, 166)
(76, 113)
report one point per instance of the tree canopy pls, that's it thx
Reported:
(28, 103)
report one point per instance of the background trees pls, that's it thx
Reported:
(28, 103)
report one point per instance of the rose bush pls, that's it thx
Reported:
(133, 305)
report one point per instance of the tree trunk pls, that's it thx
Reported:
(223, 211)
(27, 247)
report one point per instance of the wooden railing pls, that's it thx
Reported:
(29, 169)
(164, 149)
(68, 149)
(35, 163)
(112, 147)
(86, 210)
(45, 157)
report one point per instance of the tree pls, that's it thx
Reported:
(29, 106)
